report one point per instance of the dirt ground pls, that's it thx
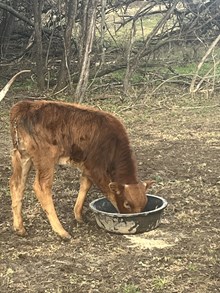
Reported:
(178, 145)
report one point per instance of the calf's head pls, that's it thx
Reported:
(129, 198)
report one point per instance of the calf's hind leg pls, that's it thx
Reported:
(21, 164)
(85, 185)
(42, 187)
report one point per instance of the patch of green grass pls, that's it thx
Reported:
(143, 27)
(160, 283)
(158, 178)
(129, 288)
(186, 69)
(118, 76)
(24, 85)
(190, 69)
(137, 77)
(192, 267)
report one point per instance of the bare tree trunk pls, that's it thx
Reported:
(88, 22)
(6, 27)
(64, 72)
(37, 9)
(102, 31)
(128, 69)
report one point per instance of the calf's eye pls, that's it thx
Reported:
(127, 205)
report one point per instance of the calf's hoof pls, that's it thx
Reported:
(65, 236)
(79, 219)
(20, 231)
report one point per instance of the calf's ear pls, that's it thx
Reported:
(149, 183)
(116, 188)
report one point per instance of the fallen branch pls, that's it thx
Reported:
(199, 107)
(7, 86)
(171, 79)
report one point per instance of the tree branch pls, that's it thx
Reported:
(212, 46)
(22, 17)
(15, 13)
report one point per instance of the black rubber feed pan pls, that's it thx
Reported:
(109, 219)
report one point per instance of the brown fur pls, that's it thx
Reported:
(47, 133)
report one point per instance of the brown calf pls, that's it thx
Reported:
(47, 133)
